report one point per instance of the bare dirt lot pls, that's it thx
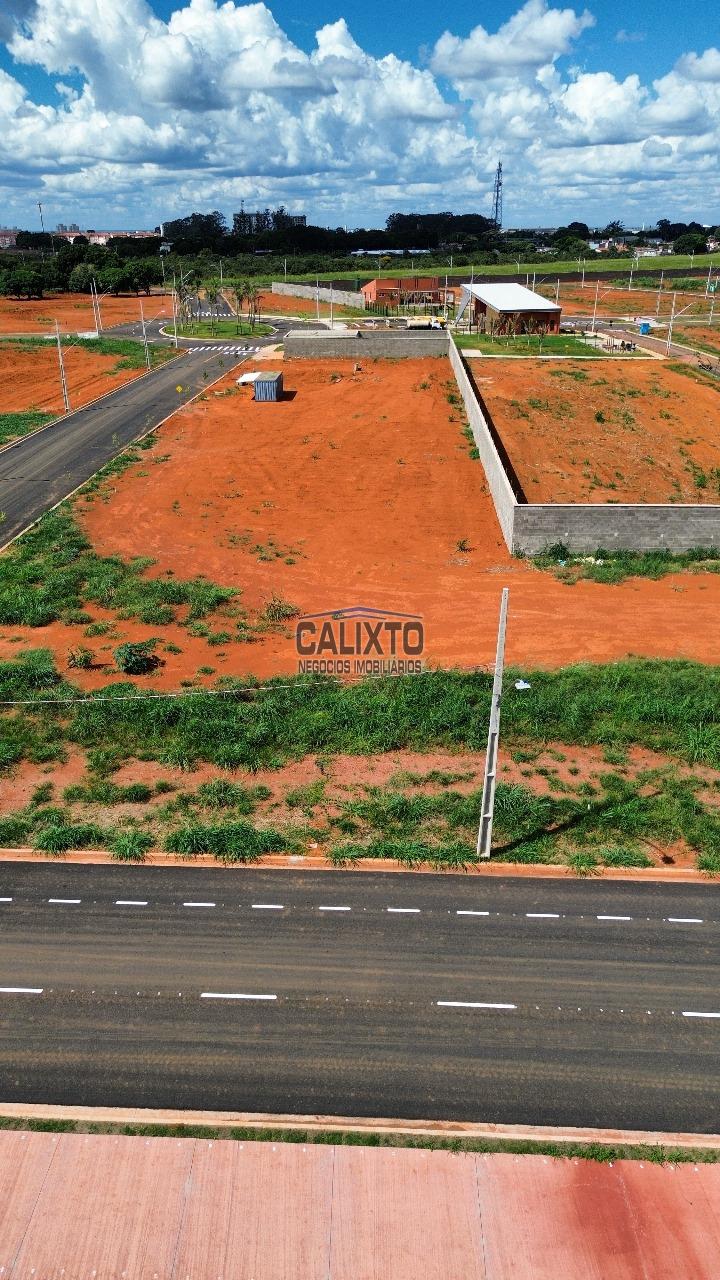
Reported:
(632, 433)
(358, 488)
(575, 300)
(74, 312)
(30, 377)
(283, 304)
(700, 335)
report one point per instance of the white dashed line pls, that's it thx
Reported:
(5, 899)
(542, 915)
(232, 995)
(684, 920)
(68, 902)
(267, 906)
(692, 1013)
(472, 913)
(334, 908)
(22, 991)
(130, 902)
(472, 1004)
(613, 917)
(404, 911)
(198, 904)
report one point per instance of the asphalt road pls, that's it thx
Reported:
(535, 1001)
(39, 470)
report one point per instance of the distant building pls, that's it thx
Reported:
(410, 291)
(8, 238)
(508, 308)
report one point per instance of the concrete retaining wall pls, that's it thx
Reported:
(583, 527)
(497, 477)
(321, 344)
(340, 297)
(627, 526)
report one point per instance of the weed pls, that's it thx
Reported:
(131, 845)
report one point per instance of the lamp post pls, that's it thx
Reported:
(484, 840)
(673, 317)
(63, 379)
(144, 334)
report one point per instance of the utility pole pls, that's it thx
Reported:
(285, 265)
(670, 326)
(317, 298)
(557, 290)
(331, 306)
(484, 840)
(145, 341)
(707, 285)
(63, 379)
(175, 311)
(662, 277)
(597, 294)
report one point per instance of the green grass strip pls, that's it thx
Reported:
(15, 425)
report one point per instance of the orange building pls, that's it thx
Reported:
(415, 291)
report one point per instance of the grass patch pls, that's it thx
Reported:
(53, 569)
(612, 567)
(526, 345)
(223, 329)
(15, 425)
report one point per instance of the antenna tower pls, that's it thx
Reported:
(497, 197)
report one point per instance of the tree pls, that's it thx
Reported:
(693, 242)
(81, 278)
(236, 296)
(212, 294)
(24, 282)
(614, 229)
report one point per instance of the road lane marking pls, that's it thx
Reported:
(22, 991)
(472, 1004)
(267, 906)
(693, 1013)
(130, 902)
(66, 901)
(334, 908)
(404, 911)
(198, 904)
(5, 899)
(472, 913)
(684, 920)
(233, 995)
(542, 915)
(613, 917)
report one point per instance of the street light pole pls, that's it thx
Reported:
(484, 840)
(175, 312)
(670, 326)
(597, 294)
(144, 334)
(63, 379)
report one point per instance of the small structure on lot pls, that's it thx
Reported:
(269, 385)
(509, 308)
(411, 291)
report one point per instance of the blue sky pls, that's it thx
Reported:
(150, 110)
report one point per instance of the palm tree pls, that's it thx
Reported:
(212, 293)
(236, 296)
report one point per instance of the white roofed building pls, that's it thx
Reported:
(508, 308)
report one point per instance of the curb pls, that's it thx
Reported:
(318, 862)
(445, 1129)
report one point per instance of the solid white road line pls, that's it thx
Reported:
(334, 908)
(22, 991)
(232, 995)
(65, 901)
(404, 911)
(130, 902)
(267, 906)
(472, 1004)
(542, 915)
(613, 917)
(198, 904)
(684, 920)
(692, 1013)
(472, 913)
(5, 899)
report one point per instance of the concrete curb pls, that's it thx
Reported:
(318, 862)
(442, 1129)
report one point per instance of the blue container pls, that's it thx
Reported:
(645, 327)
(269, 386)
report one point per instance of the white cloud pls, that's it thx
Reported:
(218, 104)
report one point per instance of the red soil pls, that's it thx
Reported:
(692, 334)
(282, 304)
(369, 481)
(575, 300)
(74, 312)
(30, 377)
(575, 433)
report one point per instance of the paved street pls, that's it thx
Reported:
(529, 1001)
(39, 470)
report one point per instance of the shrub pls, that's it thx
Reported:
(279, 610)
(59, 837)
(230, 841)
(81, 658)
(136, 658)
(131, 845)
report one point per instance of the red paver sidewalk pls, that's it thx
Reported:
(194, 1209)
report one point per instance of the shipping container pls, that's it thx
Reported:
(269, 386)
